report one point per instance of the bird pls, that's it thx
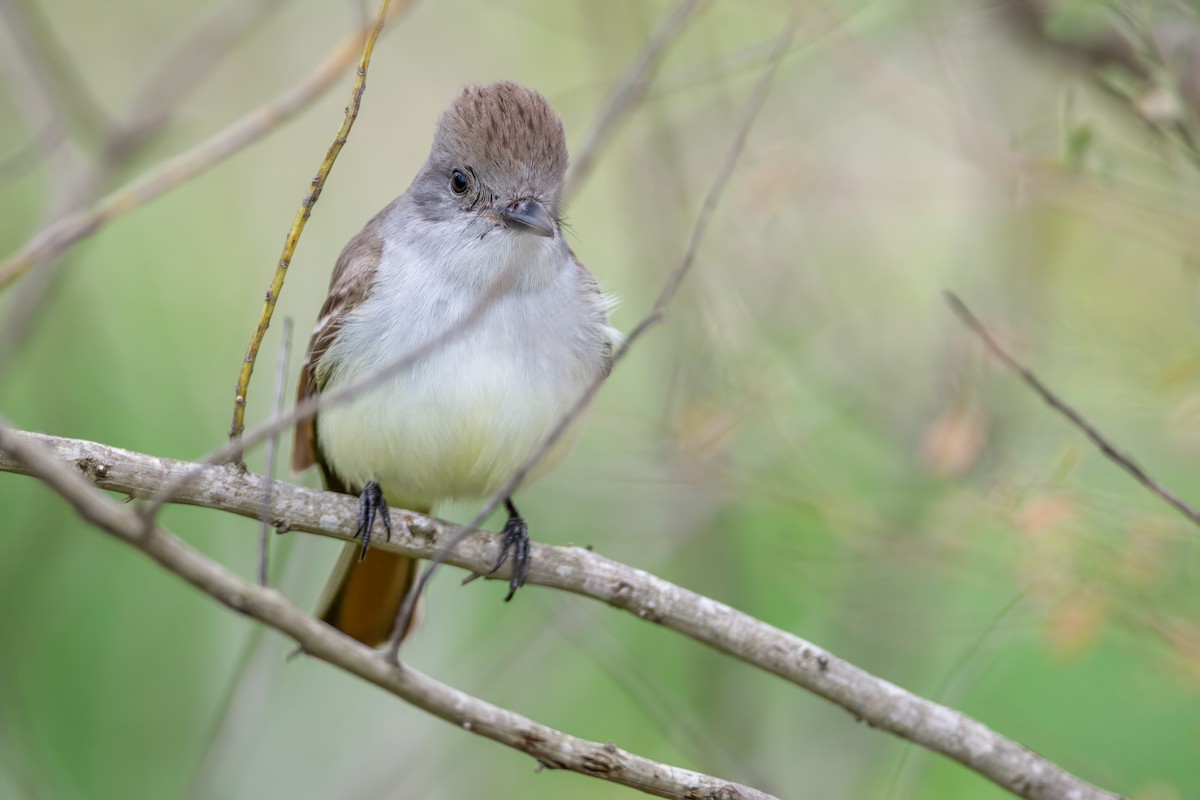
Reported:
(468, 274)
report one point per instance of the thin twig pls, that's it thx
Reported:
(1108, 449)
(242, 387)
(264, 533)
(670, 287)
(578, 570)
(629, 91)
(63, 233)
(551, 748)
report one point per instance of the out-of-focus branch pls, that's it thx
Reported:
(63, 233)
(264, 533)
(77, 181)
(573, 569)
(64, 86)
(909, 99)
(184, 66)
(1107, 448)
(629, 91)
(37, 99)
(1159, 53)
(73, 181)
(552, 749)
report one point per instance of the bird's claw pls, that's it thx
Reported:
(370, 505)
(514, 539)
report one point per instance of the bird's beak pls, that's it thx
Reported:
(529, 216)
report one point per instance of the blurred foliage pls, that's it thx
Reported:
(810, 437)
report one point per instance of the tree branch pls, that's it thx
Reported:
(553, 749)
(299, 220)
(1107, 448)
(574, 569)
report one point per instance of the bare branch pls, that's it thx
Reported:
(552, 749)
(1108, 449)
(580, 571)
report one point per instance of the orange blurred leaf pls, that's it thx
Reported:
(952, 444)
(1077, 623)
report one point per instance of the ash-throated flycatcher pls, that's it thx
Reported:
(474, 242)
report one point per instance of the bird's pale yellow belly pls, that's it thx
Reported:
(460, 436)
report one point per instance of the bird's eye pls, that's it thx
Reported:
(458, 182)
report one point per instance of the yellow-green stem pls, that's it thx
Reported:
(293, 236)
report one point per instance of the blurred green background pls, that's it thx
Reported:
(810, 437)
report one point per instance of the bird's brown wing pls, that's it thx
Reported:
(351, 283)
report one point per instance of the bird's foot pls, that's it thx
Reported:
(514, 539)
(371, 505)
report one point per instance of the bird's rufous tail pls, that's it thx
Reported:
(362, 598)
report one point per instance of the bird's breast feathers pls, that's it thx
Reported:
(502, 370)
